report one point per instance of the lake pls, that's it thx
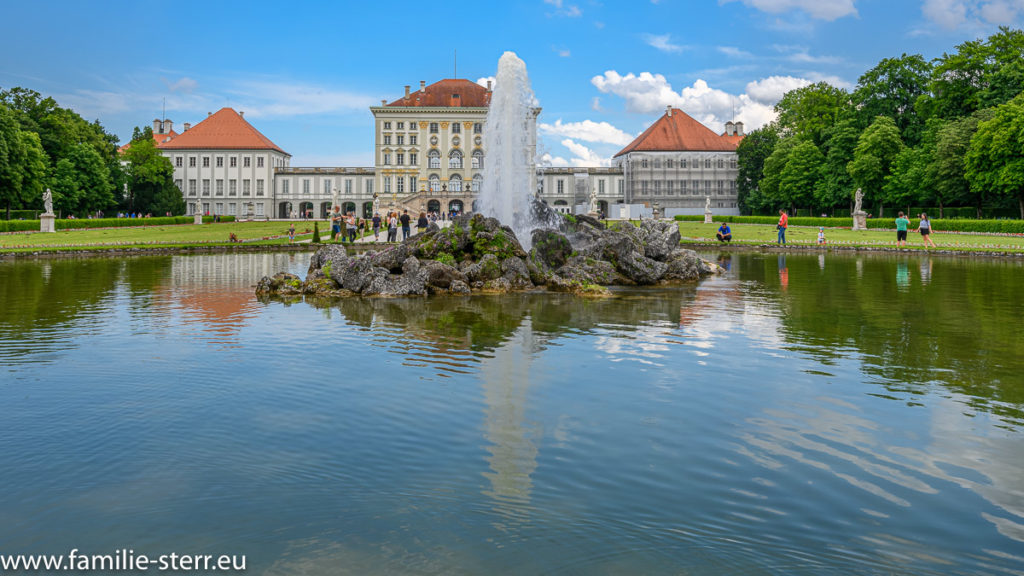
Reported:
(801, 414)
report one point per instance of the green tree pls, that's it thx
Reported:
(81, 182)
(980, 74)
(890, 89)
(875, 151)
(150, 179)
(22, 164)
(772, 194)
(995, 159)
(836, 184)
(952, 141)
(807, 112)
(910, 178)
(751, 154)
(801, 175)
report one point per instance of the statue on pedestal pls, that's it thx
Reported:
(860, 221)
(594, 209)
(858, 199)
(48, 202)
(707, 210)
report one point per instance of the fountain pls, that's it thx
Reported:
(510, 141)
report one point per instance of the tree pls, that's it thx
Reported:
(150, 179)
(772, 195)
(751, 154)
(890, 89)
(807, 112)
(995, 159)
(910, 178)
(801, 174)
(22, 164)
(952, 141)
(980, 74)
(836, 187)
(81, 182)
(876, 148)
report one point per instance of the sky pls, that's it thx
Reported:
(306, 73)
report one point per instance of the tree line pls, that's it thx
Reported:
(944, 133)
(45, 146)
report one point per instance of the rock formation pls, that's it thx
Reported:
(478, 254)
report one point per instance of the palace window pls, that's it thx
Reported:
(233, 187)
(412, 139)
(178, 185)
(387, 139)
(400, 188)
(600, 187)
(220, 161)
(178, 161)
(387, 159)
(284, 186)
(732, 163)
(721, 163)
(191, 161)
(246, 161)
(259, 188)
(220, 187)
(413, 159)
(412, 183)
(401, 126)
(560, 186)
(328, 184)
(305, 186)
(456, 128)
(387, 184)
(657, 162)
(387, 125)
(682, 163)
(435, 183)
(455, 159)
(259, 161)
(478, 128)
(206, 161)
(668, 163)
(233, 161)
(478, 160)
(206, 186)
(643, 163)
(455, 183)
(401, 139)
(434, 160)
(478, 181)
(400, 159)
(707, 162)
(433, 127)
(192, 187)
(246, 187)
(348, 187)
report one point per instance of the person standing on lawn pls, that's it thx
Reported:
(901, 229)
(783, 224)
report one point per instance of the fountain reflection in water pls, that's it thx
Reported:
(510, 142)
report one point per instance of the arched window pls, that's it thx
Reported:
(434, 159)
(478, 181)
(478, 160)
(455, 183)
(435, 183)
(455, 159)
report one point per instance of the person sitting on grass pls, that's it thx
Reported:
(724, 233)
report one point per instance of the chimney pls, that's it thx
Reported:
(669, 111)
(488, 85)
(156, 126)
(168, 126)
(208, 114)
(187, 126)
(241, 113)
(383, 102)
(730, 129)
(739, 129)
(423, 85)
(407, 91)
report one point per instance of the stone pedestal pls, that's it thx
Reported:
(860, 220)
(707, 218)
(197, 218)
(46, 223)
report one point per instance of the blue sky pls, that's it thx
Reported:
(305, 73)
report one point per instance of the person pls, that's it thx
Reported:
(925, 228)
(392, 227)
(901, 229)
(783, 224)
(376, 226)
(821, 235)
(291, 233)
(335, 222)
(421, 223)
(405, 223)
(724, 233)
(350, 225)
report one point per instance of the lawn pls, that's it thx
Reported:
(182, 234)
(756, 234)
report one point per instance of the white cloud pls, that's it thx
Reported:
(595, 104)
(562, 9)
(184, 84)
(820, 9)
(556, 161)
(771, 89)
(953, 14)
(584, 157)
(564, 53)
(483, 81)
(648, 93)
(662, 42)
(734, 52)
(588, 131)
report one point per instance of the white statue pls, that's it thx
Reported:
(48, 202)
(858, 198)
(707, 204)
(199, 208)
(376, 203)
(593, 202)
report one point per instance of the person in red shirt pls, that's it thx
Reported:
(783, 224)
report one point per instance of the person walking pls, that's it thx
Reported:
(350, 224)
(406, 231)
(392, 227)
(376, 226)
(421, 223)
(783, 224)
(335, 223)
(901, 229)
(925, 228)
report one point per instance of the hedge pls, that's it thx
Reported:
(33, 225)
(945, 225)
(20, 214)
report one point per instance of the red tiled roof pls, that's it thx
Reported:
(157, 139)
(224, 129)
(440, 94)
(680, 132)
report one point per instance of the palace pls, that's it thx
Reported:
(429, 156)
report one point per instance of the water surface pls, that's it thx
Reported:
(802, 414)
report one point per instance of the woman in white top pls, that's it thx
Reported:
(925, 228)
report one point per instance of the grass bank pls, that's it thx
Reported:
(758, 234)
